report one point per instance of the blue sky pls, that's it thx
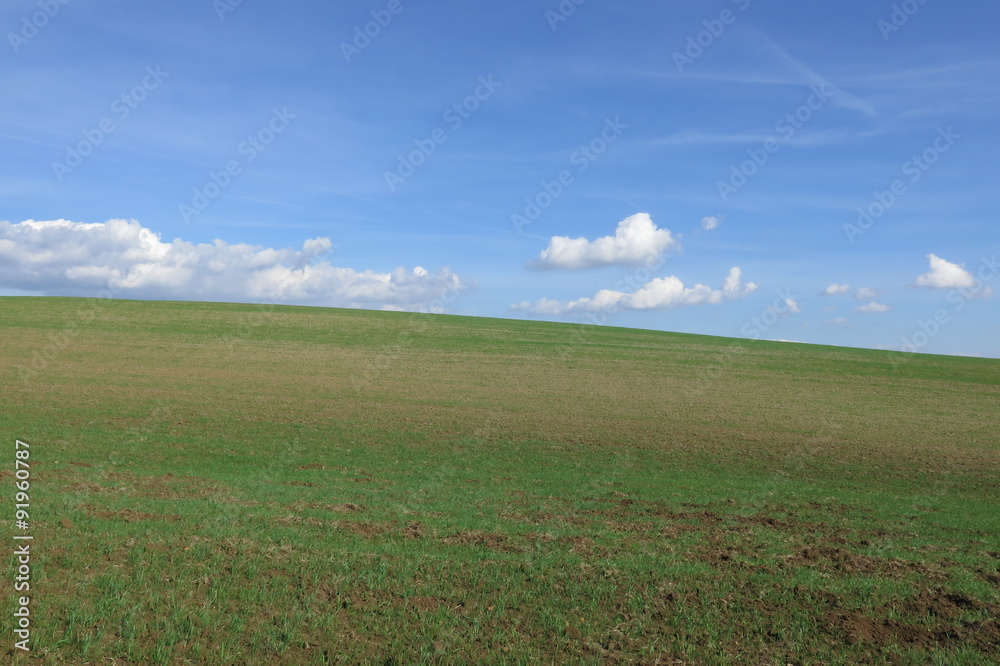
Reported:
(602, 162)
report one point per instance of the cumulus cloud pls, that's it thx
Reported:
(709, 223)
(637, 240)
(657, 294)
(835, 288)
(945, 275)
(865, 293)
(791, 307)
(77, 259)
(873, 307)
(839, 321)
(785, 308)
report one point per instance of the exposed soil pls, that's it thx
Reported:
(942, 625)
(413, 531)
(497, 542)
(845, 562)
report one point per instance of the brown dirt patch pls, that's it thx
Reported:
(625, 507)
(326, 594)
(364, 529)
(539, 537)
(414, 531)
(349, 507)
(940, 625)
(578, 544)
(673, 530)
(167, 486)
(717, 555)
(423, 604)
(298, 520)
(847, 563)
(497, 542)
(947, 605)
(990, 577)
(764, 520)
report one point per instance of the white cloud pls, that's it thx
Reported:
(945, 275)
(873, 307)
(732, 287)
(839, 321)
(865, 293)
(637, 240)
(792, 306)
(836, 289)
(709, 223)
(76, 259)
(657, 294)
(789, 307)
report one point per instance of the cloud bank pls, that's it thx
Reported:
(637, 240)
(60, 257)
(657, 294)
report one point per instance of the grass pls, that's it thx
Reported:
(218, 483)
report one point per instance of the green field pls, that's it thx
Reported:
(239, 484)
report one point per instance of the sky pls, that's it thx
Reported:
(811, 172)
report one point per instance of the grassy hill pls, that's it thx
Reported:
(223, 483)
